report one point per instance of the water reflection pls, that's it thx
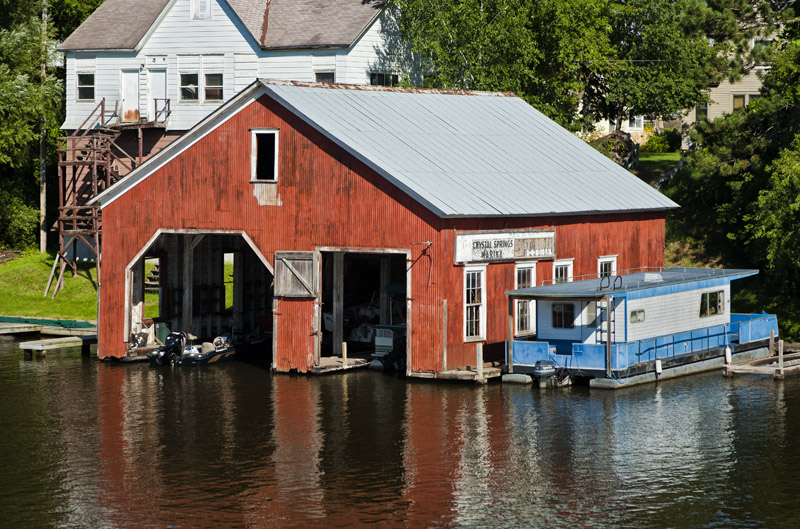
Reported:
(104, 445)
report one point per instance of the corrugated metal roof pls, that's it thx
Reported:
(597, 289)
(121, 24)
(470, 154)
(115, 25)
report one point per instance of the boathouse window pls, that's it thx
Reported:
(562, 271)
(201, 9)
(563, 315)
(607, 266)
(525, 277)
(325, 77)
(712, 303)
(383, 79)
(637, 316)
(474, 303)
(264, 155)
(85, 87)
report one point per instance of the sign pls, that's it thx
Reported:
(505, 246)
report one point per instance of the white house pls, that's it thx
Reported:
(147, 57)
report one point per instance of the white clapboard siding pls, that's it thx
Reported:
(673, 313)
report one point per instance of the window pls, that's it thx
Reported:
(607, 266)
(264, 155)
(637, 316)
(213, 87)
(86, 87)
(383, 79)
(201, 9)
(701, 112)
(712, 303)
(525, 277)
(325, 77)
(563, 315)
(635, 122)
(190, 91)
(739, 101)
(562, 271)
(474, 303)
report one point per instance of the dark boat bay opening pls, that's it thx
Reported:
(85, 443)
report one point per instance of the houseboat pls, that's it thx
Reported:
(619, 330)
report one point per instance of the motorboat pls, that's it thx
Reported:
(175, 351)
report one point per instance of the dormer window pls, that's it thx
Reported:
(264, 155)
(201, 9)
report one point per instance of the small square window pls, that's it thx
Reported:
(562, 271)
(325, 77)
(189, 86)
(213, 87)
(264, 156)
(86, 86)
(712, 303)
(738, 101)
(637, 316)
(563, 315)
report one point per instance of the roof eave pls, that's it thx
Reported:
(558, 214)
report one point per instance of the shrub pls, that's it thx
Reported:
(18, 222)
(661, 142)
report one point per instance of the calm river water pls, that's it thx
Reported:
(91, 444)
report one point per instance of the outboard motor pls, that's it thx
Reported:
(171, 351)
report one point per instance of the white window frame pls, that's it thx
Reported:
(199, 97)
(518, 303)
(564, 262)
(468, 270)
(607, 259)
(324, 72)
(201, 9)
(78, 86)
(201, 71)
(705, 306)
(220, 87)
(637, 316)
(254, 133)
(635, 122)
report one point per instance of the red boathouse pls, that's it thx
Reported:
(343, 212)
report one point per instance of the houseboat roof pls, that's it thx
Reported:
(668, 279)
(275, 24)
(460, 154)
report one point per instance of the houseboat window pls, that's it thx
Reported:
(189, 86)
(86, 86)
(383, 79)
(213, 87)
(637, 316)
(325, 77)
(562, 271)
(525, 277)
(474, 303)
(712, 303)
(264, 156)
(563, 315)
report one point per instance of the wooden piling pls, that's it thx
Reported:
(771, 343)
(344, 354)
(479, 360)
(780, 358)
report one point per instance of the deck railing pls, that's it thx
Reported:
(744, 328)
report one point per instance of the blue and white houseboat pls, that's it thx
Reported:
(634, 328)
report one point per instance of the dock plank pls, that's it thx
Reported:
(42, 346)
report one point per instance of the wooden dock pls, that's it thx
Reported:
(68, 336)
(41, 347)
(472, 373)
(778, 367)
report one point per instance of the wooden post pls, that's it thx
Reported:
(338, 302)
(479, 359)
(510, 335)
(188, 283)
(385, 308)
(771, 343)
(344, 354)
(780, 357)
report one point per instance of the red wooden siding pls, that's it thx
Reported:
(330, 199)
(294, 331)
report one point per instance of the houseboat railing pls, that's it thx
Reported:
(744, 328)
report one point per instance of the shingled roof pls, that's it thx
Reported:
(274, 24)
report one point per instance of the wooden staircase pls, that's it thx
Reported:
(89, 161)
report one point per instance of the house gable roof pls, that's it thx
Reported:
(274, 24)
(460, 154)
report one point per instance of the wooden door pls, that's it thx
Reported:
(129, 96)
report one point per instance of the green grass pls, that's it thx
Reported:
(22, 283)
(653, 166)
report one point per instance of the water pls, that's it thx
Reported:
(91, 444)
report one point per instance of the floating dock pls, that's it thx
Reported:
(778, 367)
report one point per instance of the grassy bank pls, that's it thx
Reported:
(22, 283)
(653, 166)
